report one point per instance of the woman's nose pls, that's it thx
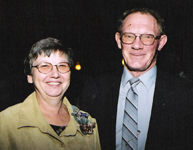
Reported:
(54, 72)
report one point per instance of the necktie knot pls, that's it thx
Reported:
(134, 80)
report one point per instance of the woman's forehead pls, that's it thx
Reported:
(54, 57)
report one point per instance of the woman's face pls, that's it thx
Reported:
(54, 83)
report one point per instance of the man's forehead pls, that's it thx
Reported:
(140, 20)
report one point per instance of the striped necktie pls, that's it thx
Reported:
(130, 125)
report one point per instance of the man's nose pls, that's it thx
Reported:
(137, 44)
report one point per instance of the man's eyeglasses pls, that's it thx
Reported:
(45, 68)
(146, 39)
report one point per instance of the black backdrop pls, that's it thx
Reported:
(88, 27)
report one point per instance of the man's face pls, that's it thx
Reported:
(138, 57)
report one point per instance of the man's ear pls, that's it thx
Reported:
(117, 38)
(162, 42)
(29, 79)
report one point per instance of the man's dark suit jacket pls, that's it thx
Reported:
(170, 125)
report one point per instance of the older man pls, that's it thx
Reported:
(143, 107)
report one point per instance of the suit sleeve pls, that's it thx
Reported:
(88, 96)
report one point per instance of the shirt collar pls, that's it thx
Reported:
(31, 116)
(126, 76)
(147, 79)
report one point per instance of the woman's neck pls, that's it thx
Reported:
(54, 111)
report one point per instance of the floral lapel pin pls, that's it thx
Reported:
(86, 125)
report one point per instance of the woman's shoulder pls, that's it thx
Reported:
(9, 117)
(14, 109)
(11, 111)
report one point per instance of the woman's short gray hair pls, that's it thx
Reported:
(46, 46)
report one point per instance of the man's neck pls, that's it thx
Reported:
(139, 73)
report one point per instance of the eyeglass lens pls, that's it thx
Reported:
(146, 39)
(47, 67)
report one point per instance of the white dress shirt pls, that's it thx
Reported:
(145, 91)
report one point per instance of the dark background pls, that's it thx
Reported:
(88, 27)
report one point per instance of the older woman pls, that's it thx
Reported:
(46, 120)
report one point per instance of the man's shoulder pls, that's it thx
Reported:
(99, 90)
(173, 89)
(170, 80)
(105, 79)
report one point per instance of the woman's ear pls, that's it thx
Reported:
(29, 79)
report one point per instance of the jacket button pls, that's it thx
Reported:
(62, 144)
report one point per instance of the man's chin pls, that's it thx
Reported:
(141, 68)
(137, 69)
